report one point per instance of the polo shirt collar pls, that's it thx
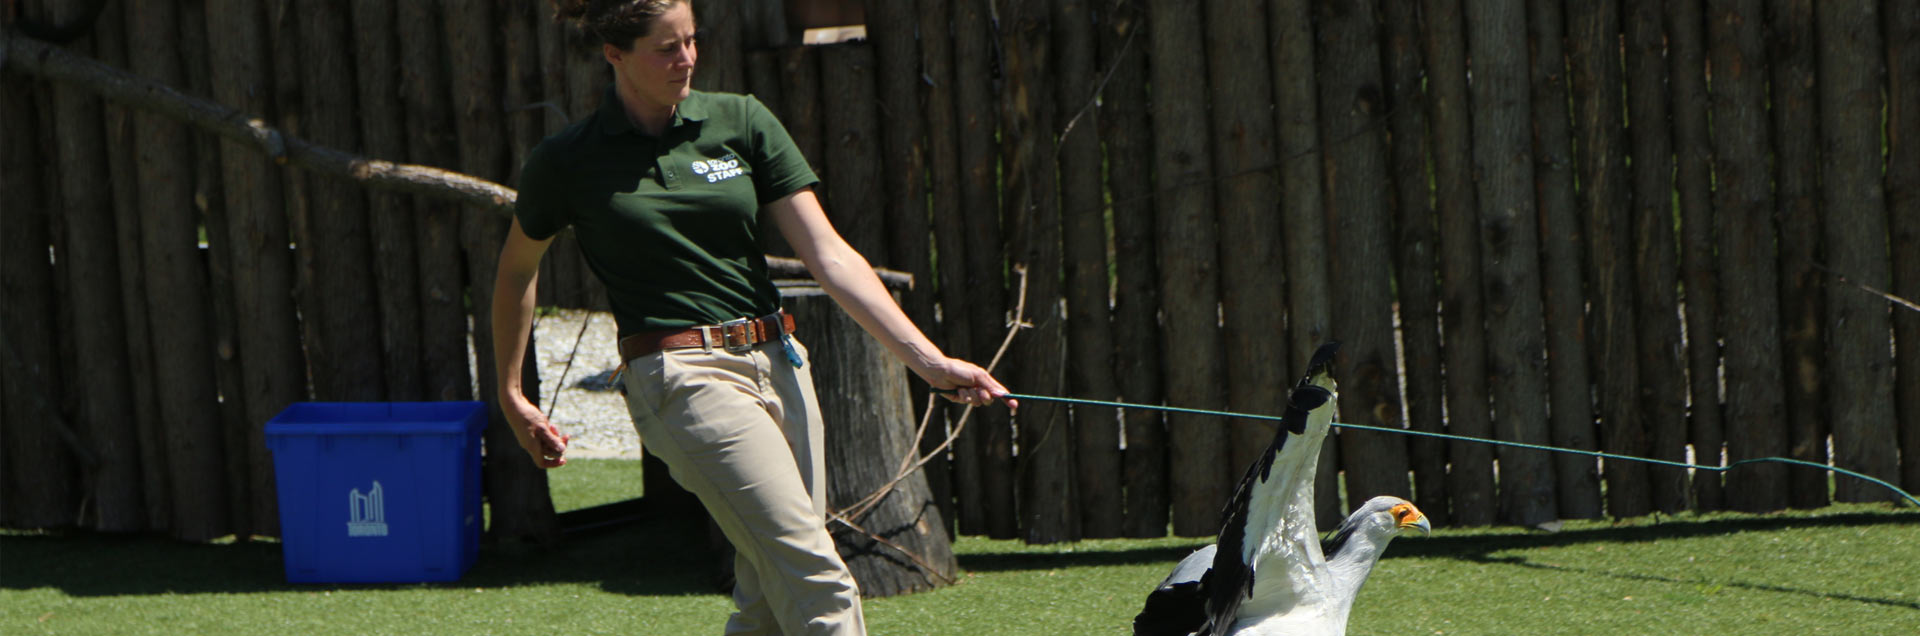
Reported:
(613, 118)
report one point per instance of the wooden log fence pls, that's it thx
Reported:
(1514, 213)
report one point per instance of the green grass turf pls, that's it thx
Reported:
(1849, 569)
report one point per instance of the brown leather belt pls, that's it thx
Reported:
(733, 335)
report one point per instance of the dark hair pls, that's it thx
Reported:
(616, 22)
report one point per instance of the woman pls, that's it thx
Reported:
(664, 186)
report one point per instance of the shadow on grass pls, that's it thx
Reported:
(653, 558)
(1021, 561)
(1704, 582)
(1476, 547)
(1483, 548)
(1470, 547)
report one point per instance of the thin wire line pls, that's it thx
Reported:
(1782, 460)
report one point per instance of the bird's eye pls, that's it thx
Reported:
(1402, 511)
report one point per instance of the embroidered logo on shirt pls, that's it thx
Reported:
(717, 170)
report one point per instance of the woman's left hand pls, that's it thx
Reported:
(970, 384)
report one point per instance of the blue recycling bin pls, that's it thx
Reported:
(378, 492)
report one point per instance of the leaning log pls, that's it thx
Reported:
(156, 98)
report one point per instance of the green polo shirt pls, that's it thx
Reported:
(671, 223)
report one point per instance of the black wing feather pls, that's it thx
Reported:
(1231, 580)
(1178, 607)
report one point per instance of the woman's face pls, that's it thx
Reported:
(659, 66)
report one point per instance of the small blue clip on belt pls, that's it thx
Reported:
(793, 355)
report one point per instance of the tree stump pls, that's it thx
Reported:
(863, 397)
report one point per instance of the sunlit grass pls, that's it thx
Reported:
(1841, 570)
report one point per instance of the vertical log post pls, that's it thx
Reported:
(973, 56)
(1045, 466)
(1416, 237)
(40, 479)
(1303, 210)
(1655, 252)
(1126, 132)
(343, 346)
(112, 48)
(1089, 329)
(177, 296)
(1470, 488)
(851, 141)
(429, 125)
(1509, 241)
(1743, 210)
(950, 244)
(1861, 369)
(1570, 378)
(1595, 58)
(1791, 53)
(892, 26)
(1252, 282)
(1903, 212)
(1352, 101)
(209, 197)
(1699, 277)
(91, 262)
(396, 273)
(274, 371)
(1189, 283)
(723, 53)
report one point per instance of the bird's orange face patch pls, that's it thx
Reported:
(1406, 514)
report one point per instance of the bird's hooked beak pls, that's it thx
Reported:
(1406, 516)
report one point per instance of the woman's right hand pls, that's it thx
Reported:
(539, 437)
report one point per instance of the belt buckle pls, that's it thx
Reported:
(746, 335)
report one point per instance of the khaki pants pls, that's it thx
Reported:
(742, 431)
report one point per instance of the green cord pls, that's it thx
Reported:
(1174, 409)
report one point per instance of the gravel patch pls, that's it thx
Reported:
(586, 403)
